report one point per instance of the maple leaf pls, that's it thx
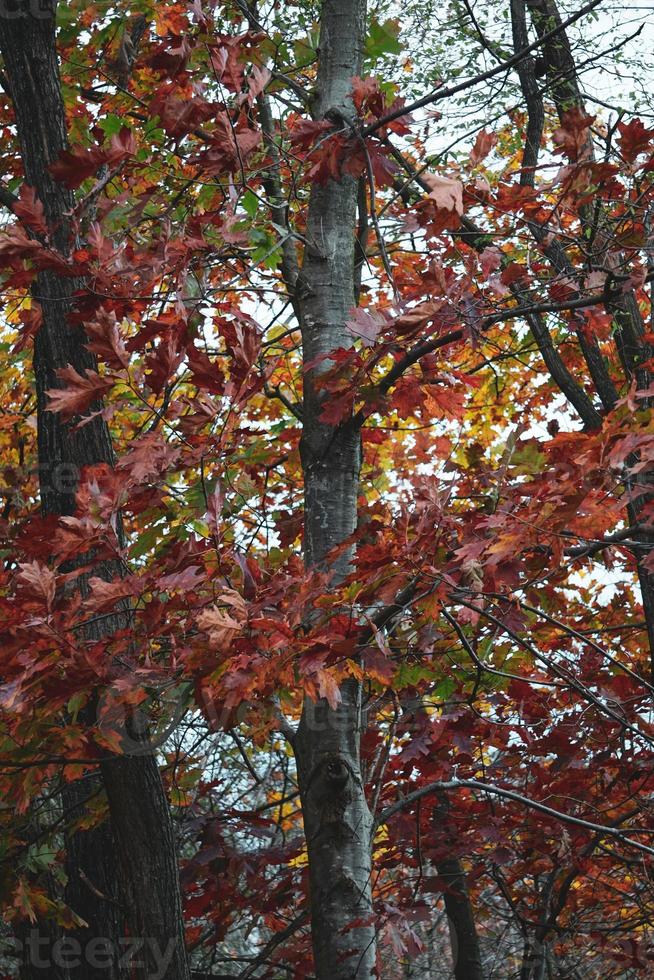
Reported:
(365, 90)
(304, 132)
(365, 325)
(180, 110)
(32, 321)
(328, 688)
(80, 393)
(30, 210)
(75, 536)
(15, 244)
(149, 456)
(227, 58)
(104, 595)
(12, 695)
(231, 144)
(185, 581)
(257, 82)
(483, 145)
(572, 137)
(107, 339)
(163, 361)
(39, 580)
(328, 157)
(378, 666)
(383, 169)
(23, 901)
(447, 192)
(220, 627)
(490, 260)
(223, 626)
(336, 408)
(634, 139)
(74, 166)
(205, 373)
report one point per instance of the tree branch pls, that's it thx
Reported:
(444, 93)
(507, 794)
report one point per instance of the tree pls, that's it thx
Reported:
(343, 518)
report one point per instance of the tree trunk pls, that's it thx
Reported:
(141, 849)
(464, 940)
(336, 816)
(463, 932)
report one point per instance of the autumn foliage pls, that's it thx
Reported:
(494, 612)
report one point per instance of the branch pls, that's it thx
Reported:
(622, 537)
(428, 346)
(556, 669)
(273, 943)
(444, 93)
(508, 794)
(280, 396)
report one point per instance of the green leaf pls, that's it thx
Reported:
(250, 203)
(383, 39)
(112, 124)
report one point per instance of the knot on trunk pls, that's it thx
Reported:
(331, 787)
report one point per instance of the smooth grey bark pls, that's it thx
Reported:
(337, 819)
(135, 858)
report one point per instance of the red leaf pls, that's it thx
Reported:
(328, 688)
(30, 210)
(257, 82)
(74, 166)
(572, 136)
(446, 192)
(365, 325)
(336, 408)
(634, 139)
(80, 392)
(231, 145)
(185, 581)
(179, 111)
(39, 580)
(483, 145)
(31, 320)
(104, 595)
(148, 457)
(304, 132)
(379, 667)
(107, 339)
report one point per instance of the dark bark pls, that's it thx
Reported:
(337, 819)
(140, 843)
(464, 940)
(461, 921)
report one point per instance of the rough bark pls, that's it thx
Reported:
(336, 815)
(140, 843)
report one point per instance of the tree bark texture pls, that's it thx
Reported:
(137, 852)
(337, 819)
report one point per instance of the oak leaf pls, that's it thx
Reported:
(80, 393)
